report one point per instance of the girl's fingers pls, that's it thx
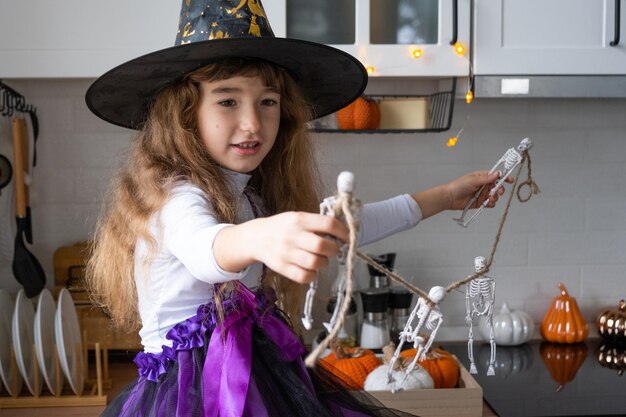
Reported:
(298, 274)
(324, 225)
(308, 260)
(319, 245)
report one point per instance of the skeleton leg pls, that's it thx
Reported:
(421, 349)
(405, 334)
(492, 358)
(492, 341)
(327, 207)
(307, 318)
(470, 348)
(419, 345)
(341, 293)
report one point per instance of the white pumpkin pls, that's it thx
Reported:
(510, 328)
(417, 379)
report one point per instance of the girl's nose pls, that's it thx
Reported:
(250, 119)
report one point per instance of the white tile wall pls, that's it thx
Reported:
(573, 232)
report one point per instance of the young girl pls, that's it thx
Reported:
(211, 225)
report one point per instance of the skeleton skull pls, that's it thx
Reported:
(479, 263)
(524, 145)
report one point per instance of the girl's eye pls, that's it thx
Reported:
(227, 103)
(269, 102)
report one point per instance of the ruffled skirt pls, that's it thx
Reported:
(248, 364)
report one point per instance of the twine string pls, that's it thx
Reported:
(346, 206)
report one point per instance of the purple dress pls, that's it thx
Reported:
(251, 364)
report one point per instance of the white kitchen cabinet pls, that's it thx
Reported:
(382, 34)
(555, 37)
(77, 38)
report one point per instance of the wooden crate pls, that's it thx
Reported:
(464, 401)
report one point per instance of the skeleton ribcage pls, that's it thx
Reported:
(511, 158)
(481, 290)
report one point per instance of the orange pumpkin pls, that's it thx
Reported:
(441, 366)
(350, 365)
(563, 323)
(563, 361)
(361, 114)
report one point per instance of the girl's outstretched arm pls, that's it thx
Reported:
(455, 194)
(294, 244)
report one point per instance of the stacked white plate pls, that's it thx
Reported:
(21, 328)
(23, 340)
(69, 341)
(7, 307)
(44, 340)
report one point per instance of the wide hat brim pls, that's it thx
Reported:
(329, 78)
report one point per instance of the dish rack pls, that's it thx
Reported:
(69, 268)
(92, 396)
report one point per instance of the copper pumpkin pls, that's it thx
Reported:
(612, 323)
(612, 356)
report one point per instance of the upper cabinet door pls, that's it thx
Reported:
(555, 37)
(78, 38)
(383, 34)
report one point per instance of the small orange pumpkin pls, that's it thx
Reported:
(350, 365)
(361, 114)
(563, 323)
(441, 366)
(563, 361)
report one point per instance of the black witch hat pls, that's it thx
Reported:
(212, 30)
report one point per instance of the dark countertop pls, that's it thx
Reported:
(526, 383)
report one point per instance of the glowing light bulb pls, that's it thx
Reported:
(459, 48)
(452, 141)
(417, 53)
(469, 96)
(370, 70)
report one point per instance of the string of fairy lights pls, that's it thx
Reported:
(459, 48)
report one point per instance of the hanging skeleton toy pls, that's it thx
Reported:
(428, 316)
(505, 166)
(330, 207)
(479, 300)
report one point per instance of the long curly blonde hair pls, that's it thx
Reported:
(168, 149)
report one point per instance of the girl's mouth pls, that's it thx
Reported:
(247, 148)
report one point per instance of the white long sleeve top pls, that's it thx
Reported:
(180, 276)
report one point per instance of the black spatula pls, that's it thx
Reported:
(26, 268)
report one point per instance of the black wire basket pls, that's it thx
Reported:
(440, 112)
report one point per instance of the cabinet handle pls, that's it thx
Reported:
(615, 40)
(455, 23)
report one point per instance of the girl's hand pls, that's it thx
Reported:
(294, 244)
(462, 189)
(297, 244)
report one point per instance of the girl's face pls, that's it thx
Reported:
(238, 120)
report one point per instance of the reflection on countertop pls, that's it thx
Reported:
(549, 379)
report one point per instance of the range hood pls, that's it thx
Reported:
(550, 86)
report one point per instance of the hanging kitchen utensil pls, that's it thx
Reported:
(6, 172)
(23, 128)
(28, 230)
(26, 268)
